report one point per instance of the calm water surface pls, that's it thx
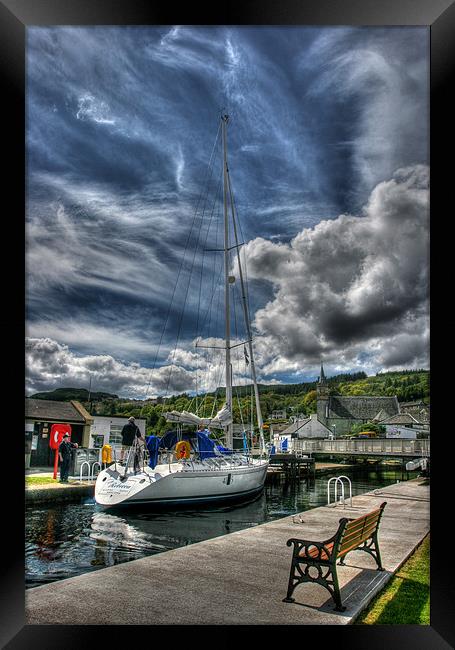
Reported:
(65, 540)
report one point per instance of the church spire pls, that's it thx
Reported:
(322, 378)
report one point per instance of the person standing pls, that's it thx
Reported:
(64, 452)
(130, 431)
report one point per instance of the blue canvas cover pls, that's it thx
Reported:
(206, 445)
(224, 450)
(153, 444)
(172, 437)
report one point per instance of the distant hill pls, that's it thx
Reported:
(407, 385)
(78, 394)
(292, 389)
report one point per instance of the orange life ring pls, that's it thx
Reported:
(182, 449)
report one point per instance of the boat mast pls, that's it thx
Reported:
(247, 324)
(229, 436)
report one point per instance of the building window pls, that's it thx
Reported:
(115, 435)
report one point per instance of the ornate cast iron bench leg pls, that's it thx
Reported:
(303, 568)
(329, 581)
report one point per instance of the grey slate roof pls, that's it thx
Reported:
(361, 408)
(294, 426)
(400, 418)
(419, 410)
(44, 409)
(382, 415)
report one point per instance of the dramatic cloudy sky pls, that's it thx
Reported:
(328, 156)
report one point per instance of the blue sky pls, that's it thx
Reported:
(328, 155)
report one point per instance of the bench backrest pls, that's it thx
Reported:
(359, 530)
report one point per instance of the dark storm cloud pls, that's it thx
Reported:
(121, 124)
(353, 282)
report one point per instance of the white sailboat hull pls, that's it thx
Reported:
(176, 484)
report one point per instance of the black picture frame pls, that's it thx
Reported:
(15, 17)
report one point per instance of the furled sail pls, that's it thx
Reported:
(221, 420)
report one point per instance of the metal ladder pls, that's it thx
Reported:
(90, 476)
(339, 479)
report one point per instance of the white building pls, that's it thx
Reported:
(395, 431)
(404, 425)
(107, 430)
(308, 428)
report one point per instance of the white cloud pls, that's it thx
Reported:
(89, 108)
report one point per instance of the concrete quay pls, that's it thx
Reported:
(57, 492)
(241, 578)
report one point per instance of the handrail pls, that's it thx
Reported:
(81, 468)
(339, 479)
(93, 469)
(386, 446)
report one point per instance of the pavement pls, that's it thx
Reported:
(241, 578)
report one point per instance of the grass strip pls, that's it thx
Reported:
(405, 600)
(39, 480)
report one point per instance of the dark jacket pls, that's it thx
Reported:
(64, 449)
(128, 432)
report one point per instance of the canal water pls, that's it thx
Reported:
(67, 539)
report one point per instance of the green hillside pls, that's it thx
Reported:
(406, 385)
(79, 394)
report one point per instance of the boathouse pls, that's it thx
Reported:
(40, 415)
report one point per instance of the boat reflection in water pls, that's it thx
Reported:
(158, 532)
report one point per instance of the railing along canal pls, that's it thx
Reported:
(380, 446)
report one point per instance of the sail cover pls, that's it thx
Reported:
(221, 420)
(206, 446)
(153, 443)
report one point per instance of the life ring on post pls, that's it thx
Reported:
(182, 449)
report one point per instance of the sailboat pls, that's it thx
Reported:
(186, 465)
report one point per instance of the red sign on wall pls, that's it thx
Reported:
(57, 433)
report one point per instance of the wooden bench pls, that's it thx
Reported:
(316, 561)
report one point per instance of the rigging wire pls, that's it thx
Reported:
(216, 202)
(208, 177)
(190, 276)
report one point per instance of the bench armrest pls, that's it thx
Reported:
(303, 546)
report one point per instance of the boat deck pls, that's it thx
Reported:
(241, 578)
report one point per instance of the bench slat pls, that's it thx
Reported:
(361, 532)
(358, 531)
(351, 543)
(373, 516)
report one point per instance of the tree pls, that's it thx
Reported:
(310, 402)
(368, 426)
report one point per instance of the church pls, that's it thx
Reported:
(339, 413)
